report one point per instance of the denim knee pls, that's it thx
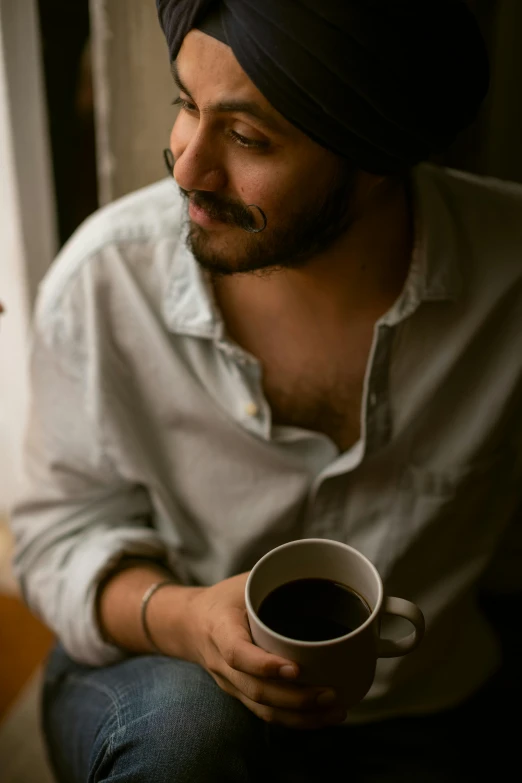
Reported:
(178, 726)
(152, 719)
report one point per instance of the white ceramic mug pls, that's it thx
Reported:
(346, 663)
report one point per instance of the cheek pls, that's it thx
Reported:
(267, 185)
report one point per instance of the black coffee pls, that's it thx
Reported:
(313, 610)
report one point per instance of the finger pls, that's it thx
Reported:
(290, 718)
(295, 719)
(273, 693)
(235, 646)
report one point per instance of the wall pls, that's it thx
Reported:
(27, 225)
(134, 91)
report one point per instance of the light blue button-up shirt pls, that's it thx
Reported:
(149, 432)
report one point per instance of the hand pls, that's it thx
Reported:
(223, 646)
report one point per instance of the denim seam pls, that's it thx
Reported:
(110, 744)
(102, 689)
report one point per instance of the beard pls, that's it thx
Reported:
(305, 232)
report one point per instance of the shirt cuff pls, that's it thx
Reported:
(77, 625)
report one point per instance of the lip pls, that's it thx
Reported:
(202, 218)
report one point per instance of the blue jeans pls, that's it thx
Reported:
(153, 719)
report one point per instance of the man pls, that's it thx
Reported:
(319, 338)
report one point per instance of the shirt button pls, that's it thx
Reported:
(373, 399)
(251, 409)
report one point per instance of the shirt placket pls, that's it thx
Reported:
(377, 423)
(327, 500)
(253, 410)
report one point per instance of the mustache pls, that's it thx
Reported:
(226, 210)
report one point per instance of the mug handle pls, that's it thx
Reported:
(388, 648)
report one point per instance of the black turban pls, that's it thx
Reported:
(385, 83)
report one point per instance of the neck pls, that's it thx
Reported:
(363, 273)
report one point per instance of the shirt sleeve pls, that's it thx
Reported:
(75, 516)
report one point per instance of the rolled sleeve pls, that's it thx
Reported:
(75, 516)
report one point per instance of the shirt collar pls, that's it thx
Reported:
(436, 244)
(189, 306)
(434, 275)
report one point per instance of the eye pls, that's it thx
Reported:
(185, 105)
(243, 141)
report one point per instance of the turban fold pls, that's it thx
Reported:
(385, 83)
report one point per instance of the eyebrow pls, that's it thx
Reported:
(241, 107)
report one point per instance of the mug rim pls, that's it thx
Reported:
(325, 642)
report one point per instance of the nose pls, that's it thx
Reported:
(196, 160)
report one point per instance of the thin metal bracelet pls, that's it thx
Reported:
(144, 604)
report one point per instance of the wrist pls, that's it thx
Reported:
(170, 621)
(119, 600)
(150, 592)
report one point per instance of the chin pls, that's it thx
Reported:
(226, 253)
(234, 251)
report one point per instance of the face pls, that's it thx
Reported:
(232, 150)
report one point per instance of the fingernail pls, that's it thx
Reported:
(288, 672)
(326, 697)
